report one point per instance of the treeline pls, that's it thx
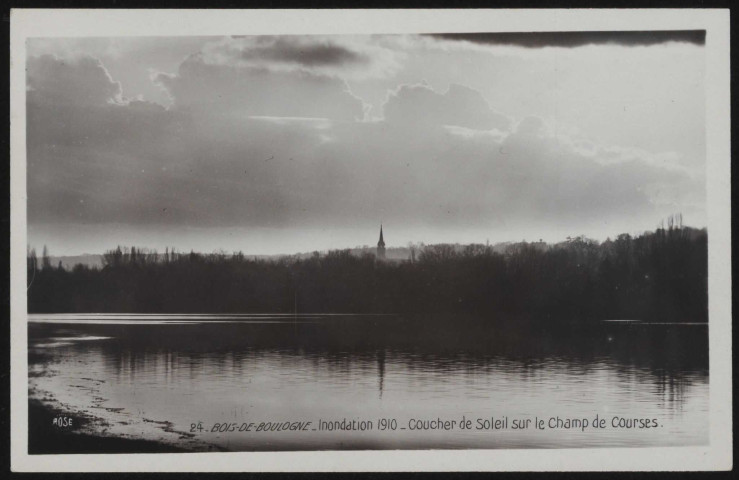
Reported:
(657, 276)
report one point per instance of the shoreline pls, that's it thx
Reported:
(44, 438)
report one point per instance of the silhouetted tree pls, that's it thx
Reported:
(657, 275)
(45, 260)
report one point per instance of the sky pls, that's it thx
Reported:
(271, 145)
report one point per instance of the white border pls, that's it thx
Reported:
(107, 23)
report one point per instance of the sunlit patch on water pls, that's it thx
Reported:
(79, 321)
(181, 319)
(640, 322)
(66, 341)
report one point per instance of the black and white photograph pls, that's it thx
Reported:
(306, 242)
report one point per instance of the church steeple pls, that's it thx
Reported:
(381, 246)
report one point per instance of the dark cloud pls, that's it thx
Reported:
(341, 56)
(459, 106)
(292, 50)
(579, 39)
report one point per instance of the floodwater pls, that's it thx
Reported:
(206, 382)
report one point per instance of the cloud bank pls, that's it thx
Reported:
(461, 106)
(248, 91)
(244, 145)
(74, 81)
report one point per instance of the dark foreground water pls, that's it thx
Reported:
(177, 378)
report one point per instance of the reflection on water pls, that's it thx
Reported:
(155, 376)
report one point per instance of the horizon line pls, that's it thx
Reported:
(356, 247)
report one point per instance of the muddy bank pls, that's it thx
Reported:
(44, 437)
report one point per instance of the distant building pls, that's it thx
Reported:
(381, 247)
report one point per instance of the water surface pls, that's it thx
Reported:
(154, 376)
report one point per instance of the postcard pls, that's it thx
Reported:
(408, 240)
